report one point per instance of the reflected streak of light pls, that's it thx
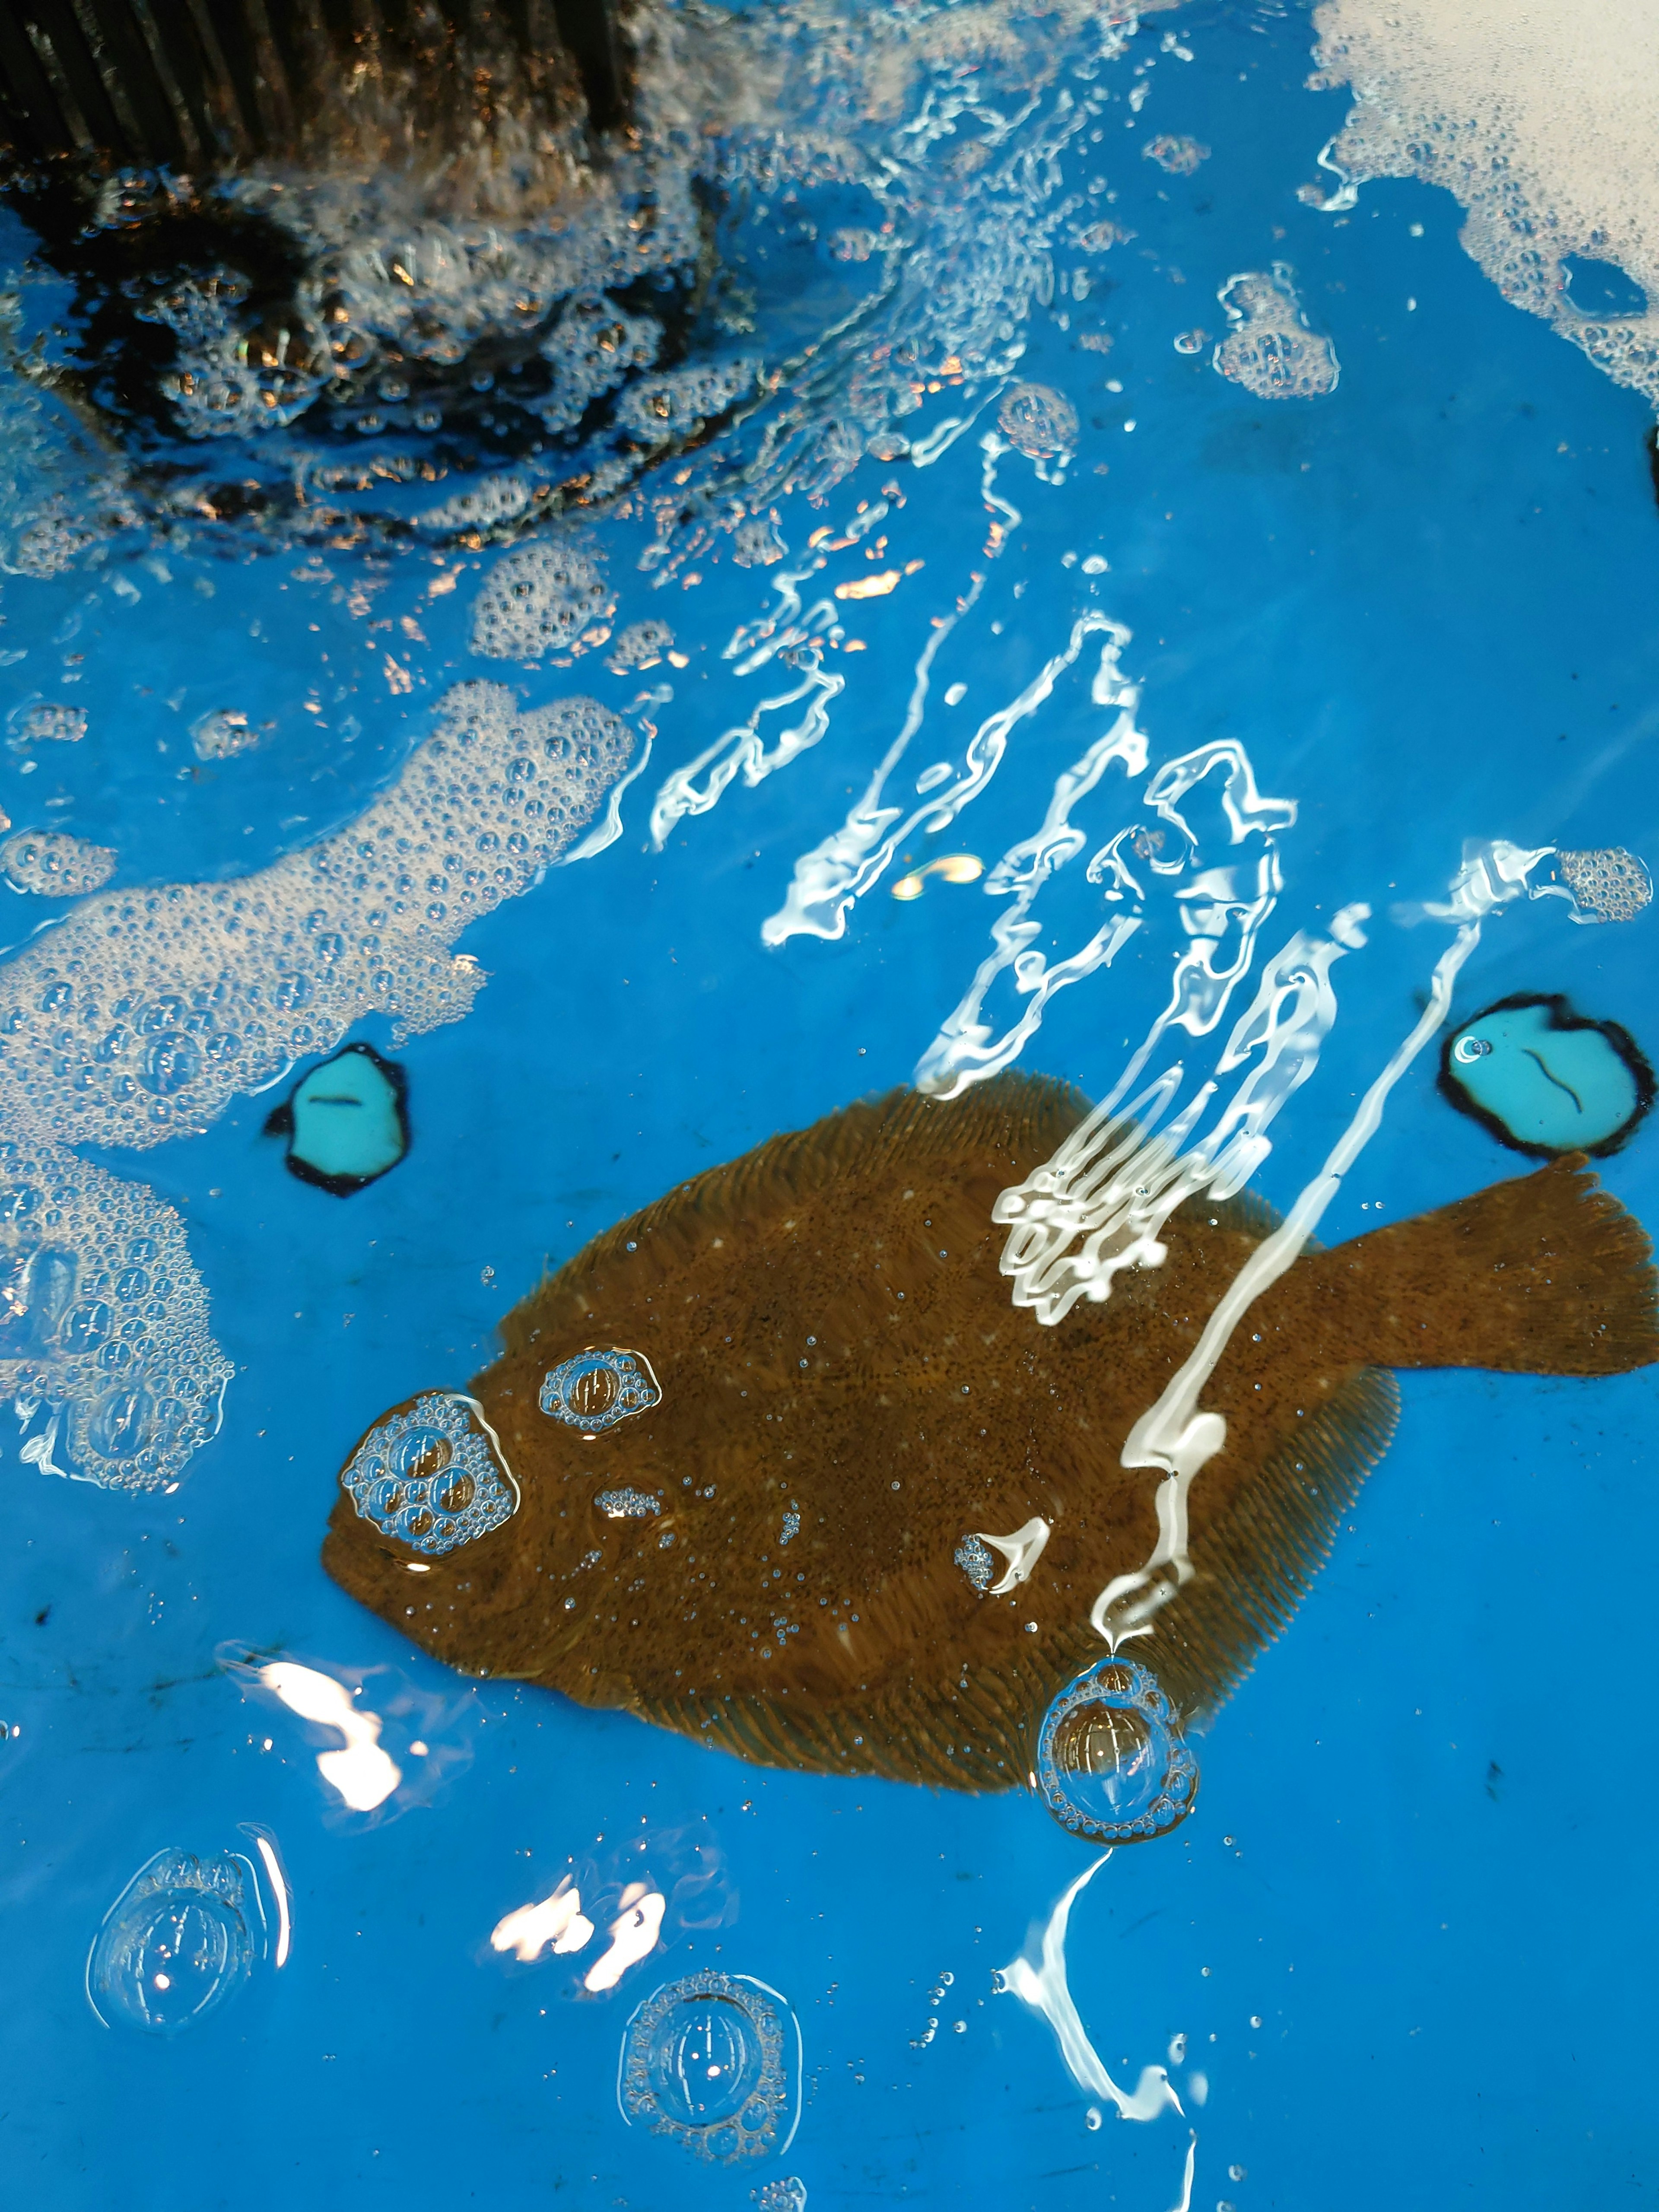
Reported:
(557, 1924)
(634, 1934)
(869, 587)
(954, 868)
(1045, 1989)
(364, 1775)
(1186, 2203)
(279, 1890)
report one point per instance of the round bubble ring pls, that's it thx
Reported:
(600, 1386)
(706, 2061)
(173, 1946)
(1111, 1763)
(432, 1474)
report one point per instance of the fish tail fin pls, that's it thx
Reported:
(1545, 1274)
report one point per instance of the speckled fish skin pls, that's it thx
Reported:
(834, 1341)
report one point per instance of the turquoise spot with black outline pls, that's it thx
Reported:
(346, 1123)
(1546, 1080)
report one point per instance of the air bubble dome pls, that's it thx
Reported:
(173, 1947)
(713, 2061)
(1111, 1765)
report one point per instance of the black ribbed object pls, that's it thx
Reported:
(207, 84)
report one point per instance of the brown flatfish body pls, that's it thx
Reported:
(835, 1398)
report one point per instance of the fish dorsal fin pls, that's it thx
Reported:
(1256, 1562)
(1011, 1124)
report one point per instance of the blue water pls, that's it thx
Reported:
(1398, 1933)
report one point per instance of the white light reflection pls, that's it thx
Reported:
(1044, 1988)
(1174, 1435)
(279, 1890)
(634, 1934)
(557, 1924)
(363, 1774)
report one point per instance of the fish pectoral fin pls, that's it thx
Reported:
(1546, 1274)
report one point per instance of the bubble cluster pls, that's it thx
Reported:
(787, 2194)
(228, 380)
(593, 346)
(713, 2063)
(756, 543)
(1180, 156)
(38, 720)
(174, 1945)
(1110, 1763)
(1270, 350)
(104, 1342)
(1039, 421)
(222, 734)
(1610, 886)
(54, 865)
(431, 1474)
(641, 645)
(542, 599)
(599, 1388)
(628, 1504)
(142, 1015)
(973, 1556)
(1539, 121)
(51, 543)
(677, 405)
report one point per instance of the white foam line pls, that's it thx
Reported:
(279, 1891)
(1174, 1435)
(1045, 1989)
(740, 749)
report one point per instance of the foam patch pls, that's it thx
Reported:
(147, 1011)
(1542, 121)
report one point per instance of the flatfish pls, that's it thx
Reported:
(766, 1462)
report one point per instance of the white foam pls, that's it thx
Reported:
(53, 865)
(144, 1012)
(545, 598)
(1541, 120)
(105, 1348)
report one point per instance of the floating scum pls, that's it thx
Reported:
(776, 1464)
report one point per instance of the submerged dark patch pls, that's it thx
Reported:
(848, 1417)
(346, 1123)
(1546, 1080)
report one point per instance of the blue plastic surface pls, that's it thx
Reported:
(1387, 1962)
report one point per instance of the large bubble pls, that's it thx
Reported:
(599, 1388)
(1111, 1764)
(713, 2063)
(175, 1945)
